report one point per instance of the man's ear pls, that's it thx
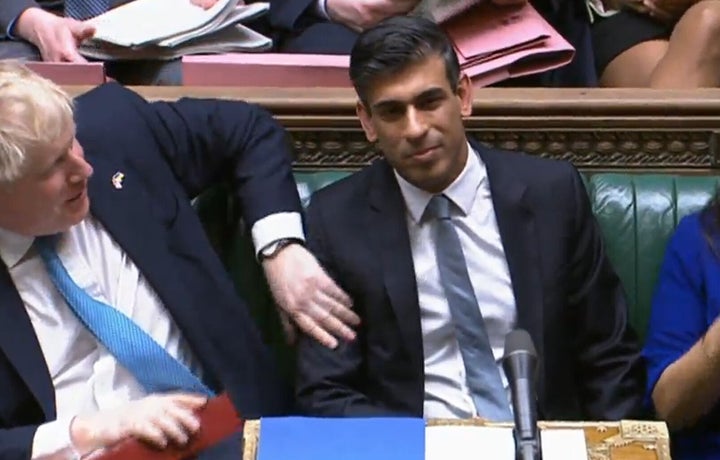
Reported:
(365, 120)
(465, 94)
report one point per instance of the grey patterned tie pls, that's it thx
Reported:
(85, 9)
(482, 373)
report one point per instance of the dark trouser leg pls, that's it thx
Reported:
(166, 73)
(21, 50)
(320, 38)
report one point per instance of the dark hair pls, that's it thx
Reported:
(710, 221)
(395, 43)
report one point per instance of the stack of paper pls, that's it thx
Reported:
(168, 29)
(494, 43)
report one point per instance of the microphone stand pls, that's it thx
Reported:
(528, 448)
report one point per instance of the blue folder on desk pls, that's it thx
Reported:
(309, 438)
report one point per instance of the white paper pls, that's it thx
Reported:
(458, 442)
(563, 444)
(241, 13)
(146, 21)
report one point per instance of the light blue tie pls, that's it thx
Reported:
(133, 348)
(482, 373)
(85, 9)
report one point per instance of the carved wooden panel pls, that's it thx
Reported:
(592, 127)
(599, 149)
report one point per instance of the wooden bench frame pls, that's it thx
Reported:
(596, 129)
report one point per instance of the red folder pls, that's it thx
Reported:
(70, 73)
(495, 43)
(218, 420)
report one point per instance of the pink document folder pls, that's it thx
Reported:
(267, 69)
(70, 73)
(495, 43)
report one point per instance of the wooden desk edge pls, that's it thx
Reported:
(652, 435)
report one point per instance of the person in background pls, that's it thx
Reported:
(445, 246)
(51, 31)
(658, 44)
(683, 340)
(118, 318)
(332, 26)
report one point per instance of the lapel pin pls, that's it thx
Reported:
(117, 180)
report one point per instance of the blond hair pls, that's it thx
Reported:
(34, 114)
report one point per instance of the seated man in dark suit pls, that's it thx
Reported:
(51, 30)
(118, 318)
(445, 246)
(328, 26)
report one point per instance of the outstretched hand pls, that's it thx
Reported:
(309, 298)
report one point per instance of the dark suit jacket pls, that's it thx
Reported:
(567, 295)
(169, 152)
(297, 29)
(11, 9)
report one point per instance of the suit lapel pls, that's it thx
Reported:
(516, 224)
(387, 226)
(20, 345)
(125, 213)
(128, 216)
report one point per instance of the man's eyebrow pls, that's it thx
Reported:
(387, 103)
(428, 93)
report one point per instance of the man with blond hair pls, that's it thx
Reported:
(118, 320)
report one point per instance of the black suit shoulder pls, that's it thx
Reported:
(533, 170)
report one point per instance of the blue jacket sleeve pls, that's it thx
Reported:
(679, 309)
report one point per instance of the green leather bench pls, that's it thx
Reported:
(637, 214)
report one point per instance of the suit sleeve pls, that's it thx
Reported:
(10, 10)
(611, 375)
(16, 443)
(672, 331)
(285, 14)
(206, 142)
(329, 381)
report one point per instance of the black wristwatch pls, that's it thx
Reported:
(274, 248)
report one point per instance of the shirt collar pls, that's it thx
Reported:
(13, 246)
(462, 191)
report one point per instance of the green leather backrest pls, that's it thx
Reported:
(636, 213)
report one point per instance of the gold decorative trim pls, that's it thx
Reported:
(608, 149)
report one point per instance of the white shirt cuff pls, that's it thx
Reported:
(276, 227)
(321, 9)
(52, 442)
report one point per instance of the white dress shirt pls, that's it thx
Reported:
(86, 377)
(446, 390)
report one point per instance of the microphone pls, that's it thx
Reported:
(520, 365)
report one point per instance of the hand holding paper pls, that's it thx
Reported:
(361, 14)
(204, 4)
(56, 37)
